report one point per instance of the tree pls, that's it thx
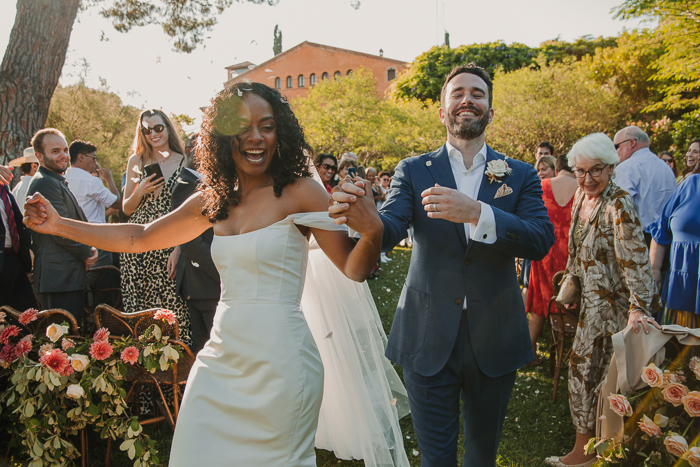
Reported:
(98, 116)
(447, 39)
(558, 103)
(39, 40)
(679, 32)
(277, 45)
(347, 114)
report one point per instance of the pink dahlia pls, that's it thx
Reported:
(67, 344)
(99, 350)
(8, 332)
(57, 360)
(130, 355)
(28, 316)
(8, 353)
(101, 334)
(166, 315)
(24, 346)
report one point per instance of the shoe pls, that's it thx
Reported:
(384, 258)
(556, 462)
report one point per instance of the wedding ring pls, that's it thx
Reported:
(435, 207)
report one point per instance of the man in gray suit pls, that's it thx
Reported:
(60, 264)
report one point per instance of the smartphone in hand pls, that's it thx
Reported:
(153, 169)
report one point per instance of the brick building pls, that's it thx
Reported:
(294, 71)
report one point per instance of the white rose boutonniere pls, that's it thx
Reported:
(497, 169)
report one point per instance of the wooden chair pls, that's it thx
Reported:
(564, 324)
(45, 318)
(103, 286)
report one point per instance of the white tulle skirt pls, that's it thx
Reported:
(363, 396)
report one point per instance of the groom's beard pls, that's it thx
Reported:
(468, 129)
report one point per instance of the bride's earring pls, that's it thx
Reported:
(278, 151)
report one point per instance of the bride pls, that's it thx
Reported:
(254, 394)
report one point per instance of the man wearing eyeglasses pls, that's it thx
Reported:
(648, 179)
(91, 193)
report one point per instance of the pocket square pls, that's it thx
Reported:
(505, 190)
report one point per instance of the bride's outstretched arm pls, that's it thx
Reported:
(180, 226)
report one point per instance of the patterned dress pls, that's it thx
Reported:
(541, 272)
(145, 282)
(615, 272)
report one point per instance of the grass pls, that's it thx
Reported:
(534, 428)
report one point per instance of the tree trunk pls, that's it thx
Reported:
(30, 70)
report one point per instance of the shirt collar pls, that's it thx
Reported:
(454, 154)
(44, 171)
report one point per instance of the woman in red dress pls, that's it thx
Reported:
(557, 194)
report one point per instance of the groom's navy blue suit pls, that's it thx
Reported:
(446, 351)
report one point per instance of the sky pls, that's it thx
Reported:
(141, 67)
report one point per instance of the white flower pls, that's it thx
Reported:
(428, 163)
(55, 331)
(79, 362)
(496, 169)
(75, 391)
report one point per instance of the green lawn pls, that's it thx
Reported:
(534, 428)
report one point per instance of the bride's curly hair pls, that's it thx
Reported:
(218, 139)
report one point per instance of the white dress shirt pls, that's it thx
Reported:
(468, 182)
(20, 191)
(649, 181)
(93, 197)
(5, 222)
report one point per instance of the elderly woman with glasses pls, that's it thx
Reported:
(608, 254)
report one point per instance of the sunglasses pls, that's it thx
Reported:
(157, 128)
(329, 167)
(617, 146)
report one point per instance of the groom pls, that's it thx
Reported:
(460, 328)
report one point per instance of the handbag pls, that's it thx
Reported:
(569, 290)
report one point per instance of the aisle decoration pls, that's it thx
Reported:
(53, 386)
(660, 426)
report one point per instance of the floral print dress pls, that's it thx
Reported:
(145, 282)
(614, 268)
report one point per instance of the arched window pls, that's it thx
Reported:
(289, 81)
(300, 81)
(312, 79)
(324, 76)
(349, 72)
(337, 75)
(278, 83)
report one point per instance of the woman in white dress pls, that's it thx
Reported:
(254, 393)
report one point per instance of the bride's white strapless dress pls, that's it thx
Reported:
(254, 393)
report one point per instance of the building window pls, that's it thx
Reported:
(349, 72)
(391, 74)
(278, 83)
(289, 81)
(300, 81)
(337, 75)
(312, 79)
(324, 76)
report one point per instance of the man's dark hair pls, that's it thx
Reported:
(382, 173)
(546, 144)
(563, 164)
(78, 147)
(25, 168)
(473, 69)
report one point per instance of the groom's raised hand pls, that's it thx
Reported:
(450, 204)
(353, 205)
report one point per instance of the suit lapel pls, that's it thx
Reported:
(439, 166)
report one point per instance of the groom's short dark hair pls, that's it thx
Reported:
(473, 69)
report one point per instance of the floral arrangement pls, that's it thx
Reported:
(57, 385)
(660, 426)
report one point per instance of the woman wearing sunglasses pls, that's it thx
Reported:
(326, 165)
(147, 197)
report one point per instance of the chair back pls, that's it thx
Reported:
(119, 323)
(44, 319)
(104, 286)
(561, 319)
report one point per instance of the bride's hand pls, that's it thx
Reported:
(356, 208)
(40, 216)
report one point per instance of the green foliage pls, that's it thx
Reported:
(558, 103)
(679, 33)
(277, 44)
(347, 114)
(426, 74)
(98, 116)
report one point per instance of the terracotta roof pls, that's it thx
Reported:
(310, 44)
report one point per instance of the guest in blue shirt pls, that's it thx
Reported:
(679, 227)
(647, 179)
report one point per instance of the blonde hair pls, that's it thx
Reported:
(143, 148)
(549, 160)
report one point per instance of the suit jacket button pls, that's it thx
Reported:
(467, 262)
(458, 301)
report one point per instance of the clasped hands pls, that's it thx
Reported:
(438, 201)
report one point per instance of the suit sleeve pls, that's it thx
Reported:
(53, 194)
(527, 232)
(397, 210)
